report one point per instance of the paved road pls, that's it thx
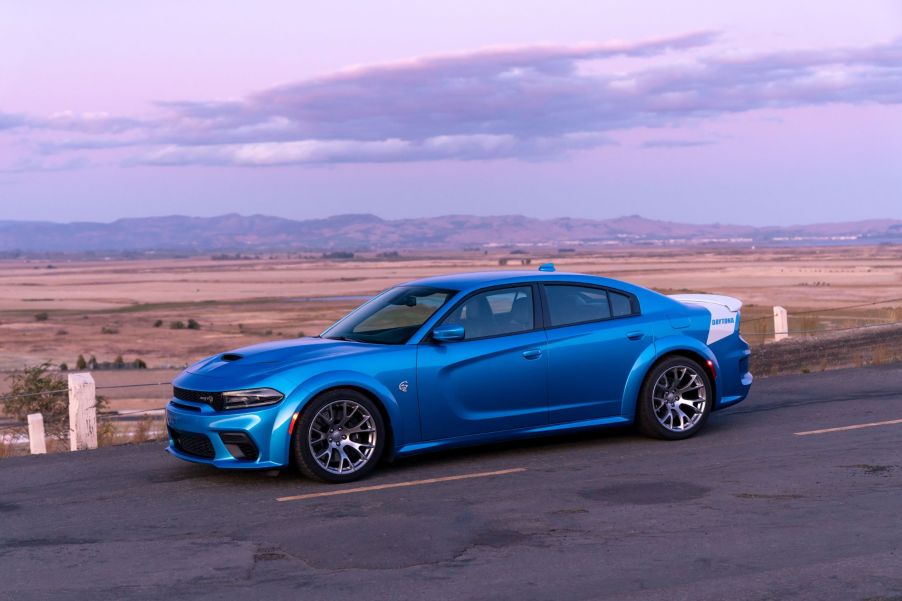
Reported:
(748, 510)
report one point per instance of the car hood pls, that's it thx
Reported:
(269, 357)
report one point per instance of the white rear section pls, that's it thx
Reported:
(724, 312)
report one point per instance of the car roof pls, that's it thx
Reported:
(481, 279)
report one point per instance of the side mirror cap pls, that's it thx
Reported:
(448, 333)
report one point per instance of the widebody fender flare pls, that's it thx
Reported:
(663, 346)
(310, 388)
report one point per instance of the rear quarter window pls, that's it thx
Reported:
(621, 304)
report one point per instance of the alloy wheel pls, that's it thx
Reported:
(342, 437)
(679, 397)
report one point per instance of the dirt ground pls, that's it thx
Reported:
(56, 311)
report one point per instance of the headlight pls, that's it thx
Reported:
(255, 397)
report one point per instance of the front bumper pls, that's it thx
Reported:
(199, 434)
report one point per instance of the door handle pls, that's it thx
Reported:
(532, 354)
(635, 335)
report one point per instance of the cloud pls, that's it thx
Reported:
(676, 143)
(455, 147)
(30, 165)
(529, 103)
(10, 121)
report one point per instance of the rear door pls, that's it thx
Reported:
(494, 379)
(595, 335)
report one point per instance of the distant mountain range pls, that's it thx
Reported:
(239, 233)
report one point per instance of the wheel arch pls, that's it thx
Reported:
(388, 450)
(340, 380)
(665, 349)
(695, 356)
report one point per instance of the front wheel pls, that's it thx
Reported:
(339, 437)
(675, 400)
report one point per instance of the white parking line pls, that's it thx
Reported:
(853, 427)
(347, 491)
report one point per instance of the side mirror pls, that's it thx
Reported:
(448, 333)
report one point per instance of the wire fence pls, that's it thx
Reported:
(109, 416)
(829, 309)
(825, 330)
(23, 395)
(116, 414)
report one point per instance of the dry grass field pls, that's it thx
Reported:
(57, 311)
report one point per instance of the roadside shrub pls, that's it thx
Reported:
(177, 325)
(109, 330)
(41, 317)
(61, 332)
(193, 325)
(80, 363)
(118, 362)
(139, 364)
(64, 367)
(8, 446)
(39, 390)
(158, 323)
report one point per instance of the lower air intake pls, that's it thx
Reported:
(190, 443)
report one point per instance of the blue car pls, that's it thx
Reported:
(459, 360)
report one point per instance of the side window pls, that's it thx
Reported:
(495, 313)
(576, 304)
(621, 304)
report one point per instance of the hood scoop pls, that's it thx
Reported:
(231, 357)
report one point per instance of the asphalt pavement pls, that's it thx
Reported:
(755, 507)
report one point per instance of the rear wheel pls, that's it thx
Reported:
(675, 400)
(339, 437)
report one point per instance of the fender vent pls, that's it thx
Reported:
(231, 357)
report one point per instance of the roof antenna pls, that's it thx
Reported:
(546, 267)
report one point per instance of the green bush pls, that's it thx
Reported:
(158, 323)
(193, 325)
(80, 363)
(41, 317)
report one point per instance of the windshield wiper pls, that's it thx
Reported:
(342, 338)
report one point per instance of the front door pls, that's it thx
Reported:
(492, 380)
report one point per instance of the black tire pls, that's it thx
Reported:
(646, 417)
(301, 451)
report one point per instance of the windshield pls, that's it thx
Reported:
(392, 317)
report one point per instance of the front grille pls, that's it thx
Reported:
(190, 443)
(213, 399)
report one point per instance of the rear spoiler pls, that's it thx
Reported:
(724, 312)
(732, 304)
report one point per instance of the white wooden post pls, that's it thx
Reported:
(82, 412)
(781, 324)
(36, 434)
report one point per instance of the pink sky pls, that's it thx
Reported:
(759, 114)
